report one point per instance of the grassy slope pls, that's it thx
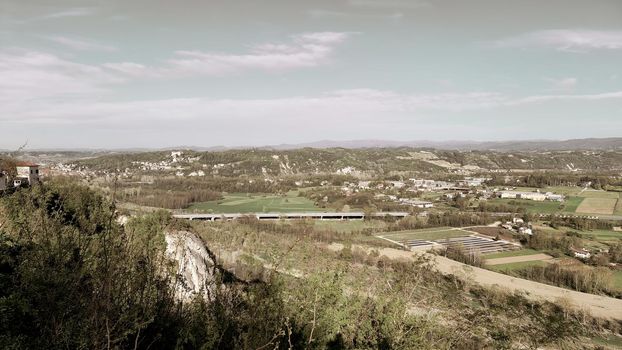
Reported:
(597, 235)
(618, 208)
(521, 252)
(603, 235)
(348, 225)
(516, 266)
(426, 234)
(617, 279)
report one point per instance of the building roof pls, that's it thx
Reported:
(26, 164)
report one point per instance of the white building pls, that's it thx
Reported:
(416, 203)
(364, 184)
(554, 197)
(581, 253)
(28, 172)
(397, 184)
(525, 231)
(432, 184)
(473, 181)
(534, 196)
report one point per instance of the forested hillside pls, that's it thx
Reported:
(374, 161)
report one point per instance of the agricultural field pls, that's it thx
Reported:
(256, 203)
(599, 194)
(521, 252)
(543, 207)
(515, 266)
(600, 236)
(426, 234)
(493, 232)
(578, 201)
(618, 208)
(565, 190)
(603, 206)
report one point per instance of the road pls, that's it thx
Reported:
(596, 305)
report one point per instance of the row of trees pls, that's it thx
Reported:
(581, 278)
(545, 179)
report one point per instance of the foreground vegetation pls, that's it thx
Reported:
(71, 277)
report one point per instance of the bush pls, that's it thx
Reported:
(459, 253)
(581, 278)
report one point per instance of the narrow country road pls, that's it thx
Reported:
(596, 305)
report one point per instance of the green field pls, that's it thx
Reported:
(545, 207)
(605, 236)
(571, 204)
(426, 234)
(599, 194)
(565, 190)
(521, 252)
(602, 235)
(256, 203)
(577, 201)
(515, 266)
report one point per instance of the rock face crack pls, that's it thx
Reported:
(195, 264)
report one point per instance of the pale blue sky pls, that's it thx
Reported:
(165, 73)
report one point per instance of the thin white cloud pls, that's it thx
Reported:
(563, 84)
(72, 12)
(304, 51)
(569, 97)
(27, 76)
(337, 107)
(80, 44)
(412, 4)
(568, 40)
(43, 88)
(320, 13)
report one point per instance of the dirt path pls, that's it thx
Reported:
(598, 306)
(515, 259)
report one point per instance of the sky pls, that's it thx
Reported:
(155, 73)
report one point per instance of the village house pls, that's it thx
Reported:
(581, 253)
(364, 184)
(397, 184)
(416, 203)
(473, 181)
(27, 173)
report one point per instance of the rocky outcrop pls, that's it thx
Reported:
(195, 266)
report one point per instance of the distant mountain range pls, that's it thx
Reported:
(611, 143)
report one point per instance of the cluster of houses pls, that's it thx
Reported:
(518, 225)
(171, 163)
(430, 185)
(26, 174)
